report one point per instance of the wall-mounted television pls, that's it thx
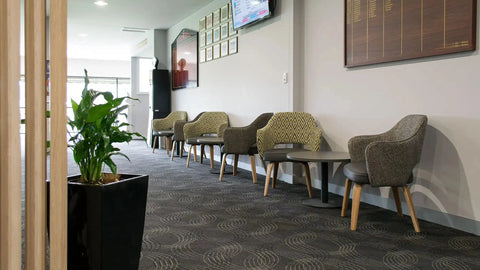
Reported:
(247, 12)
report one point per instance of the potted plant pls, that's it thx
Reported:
(106, 212)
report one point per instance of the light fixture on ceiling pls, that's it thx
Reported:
(83, 35)
(101, 3)
(134, 29)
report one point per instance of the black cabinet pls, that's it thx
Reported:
(161, 95)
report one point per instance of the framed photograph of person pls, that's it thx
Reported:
(216, 17)
(201, 41)
(201, 24)
(233, 45)
(216, 34)
(202, 55)
(224, 12)
(231, 32)
(209, 21)
(224, 31)
(209, 54)
(209, 39)
(216, 51)
(224, 48)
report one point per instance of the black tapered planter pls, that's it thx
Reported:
(105, 223)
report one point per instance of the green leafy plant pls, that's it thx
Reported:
(98, 128)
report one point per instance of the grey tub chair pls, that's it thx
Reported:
(179, 137)
(385, 159)
(242, 141)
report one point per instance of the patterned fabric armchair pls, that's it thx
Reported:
(178, 136)
(287, 128)
(210, 123)
(164, 127)
(242, 141)
(385, 159)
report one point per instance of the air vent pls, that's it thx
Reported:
(134, 29)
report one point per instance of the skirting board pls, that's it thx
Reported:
(445, 219)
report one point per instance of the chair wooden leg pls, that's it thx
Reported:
(408, 198)
(275, 174)
(254, 169)
(195, 153)
(189, 154)
(202, 151)
(182, 146)
(235, 164)
(397, 201)
(155, 138)
(357, 191)
(222, 169)
(168, 144)
(267, 178)
(211, 157)
(174, 144)
(346, 196)
(308, 179)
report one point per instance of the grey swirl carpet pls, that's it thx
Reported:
(193, 221)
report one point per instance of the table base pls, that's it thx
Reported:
(319, 204)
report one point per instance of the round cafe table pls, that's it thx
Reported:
(325, 158)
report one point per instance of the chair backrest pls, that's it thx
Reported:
(168, 122)
(208, 123)
(178, 127)
(289, 128)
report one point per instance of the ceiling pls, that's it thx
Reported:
(96, 32)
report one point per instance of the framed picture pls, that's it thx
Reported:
(216, 17)
(201, 41)
(224, 49)
(232, 45)
(231, 32)
(209, 21)
(216, 34)
(209, 54)
(185, 60)
(224, 13)
(216, 51)
(224, 31)
(209, 38)
(201, 24)
(202, 55)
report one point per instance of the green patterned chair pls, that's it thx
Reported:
(178, 136)
(385, 160)
(163, 127)
(287, 128)
(211, 124)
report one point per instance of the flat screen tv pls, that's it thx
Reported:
(247, 12)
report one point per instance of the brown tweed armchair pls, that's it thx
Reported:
(210, 123)
(287, 128)
(242, 141)
(179, 137)
(385, 159)
(164, 127)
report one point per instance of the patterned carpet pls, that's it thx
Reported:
(193, 221)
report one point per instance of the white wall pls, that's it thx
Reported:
(99, 68)
(349, 102)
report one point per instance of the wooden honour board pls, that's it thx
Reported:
(378, 31)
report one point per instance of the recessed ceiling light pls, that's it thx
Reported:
(101, 3)
(82, 35)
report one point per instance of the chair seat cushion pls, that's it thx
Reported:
(209, 140)
(357, 172)
(279, 154)
(163, 133)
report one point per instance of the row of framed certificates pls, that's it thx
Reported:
(216, 34)
(218, 50)
(216, 17)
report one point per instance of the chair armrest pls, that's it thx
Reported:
(161, 124)
(178, 130)
(221, 129)
(190, 130)
(390, 163)
(358, 144)
(314, 139)
(237, 140)
(265, 140)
